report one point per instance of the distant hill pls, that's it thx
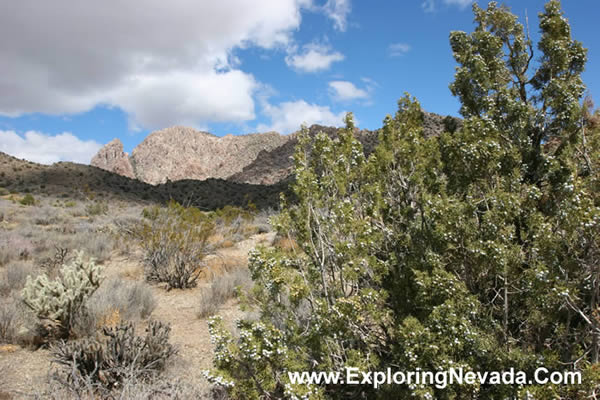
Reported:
(78, 181)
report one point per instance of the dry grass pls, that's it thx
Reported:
(133, 272)
(157, 388)
(227, 244)
(29, 238)
(14, 275)
(221, 289)
(219, 265)
(9, 321)
(286, 244)
(117, 300)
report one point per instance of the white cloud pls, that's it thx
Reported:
(398, 49)
(338, 11)
(429, 5)
(460, 3)
(68, 56)
(212, 96)
(47, 149)
(344, 91)
(287, 117)
(314, 57)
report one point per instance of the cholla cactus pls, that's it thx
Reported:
(119, 356)
(57, 302)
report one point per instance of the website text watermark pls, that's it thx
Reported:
(439, 379)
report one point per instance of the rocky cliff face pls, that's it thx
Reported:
(180, 153)
(274, 166)
(183, 153)
(112, 158)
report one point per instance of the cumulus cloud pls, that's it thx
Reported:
(398, 49)
(190, 97)
(287, 117)
(66, 57)
(344, 91)
(47, 149)
(338, 11)
(314, 57)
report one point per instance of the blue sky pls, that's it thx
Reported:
(74, 76)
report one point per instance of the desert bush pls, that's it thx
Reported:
(96, 208)
(119, 356)
(223, 288)
(9, 320)
(228, 214)
(58, 303)
(14, 246)
(46, 216)
(14, 276)
(157, 387)
(175, 243)
(56, 260)
(132, 300)
(27, 200)
(97, 245)
(150, 213)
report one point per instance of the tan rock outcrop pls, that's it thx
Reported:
(112, 158)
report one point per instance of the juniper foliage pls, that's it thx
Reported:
(478, 248)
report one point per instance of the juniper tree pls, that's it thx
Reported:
(517, 159)
(475, 249)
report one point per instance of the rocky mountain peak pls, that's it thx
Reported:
(180, 152)
(111, 157)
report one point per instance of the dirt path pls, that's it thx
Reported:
(189, 333)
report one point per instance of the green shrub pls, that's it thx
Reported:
(475, 249)
(151, 213)
(119, 356)
(27, 200)
(97, 208)
(174, 242)
(58, 303)
(229, 213)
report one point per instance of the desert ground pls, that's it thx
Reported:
(40, 232)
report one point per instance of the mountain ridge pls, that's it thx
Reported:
(183, 153)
